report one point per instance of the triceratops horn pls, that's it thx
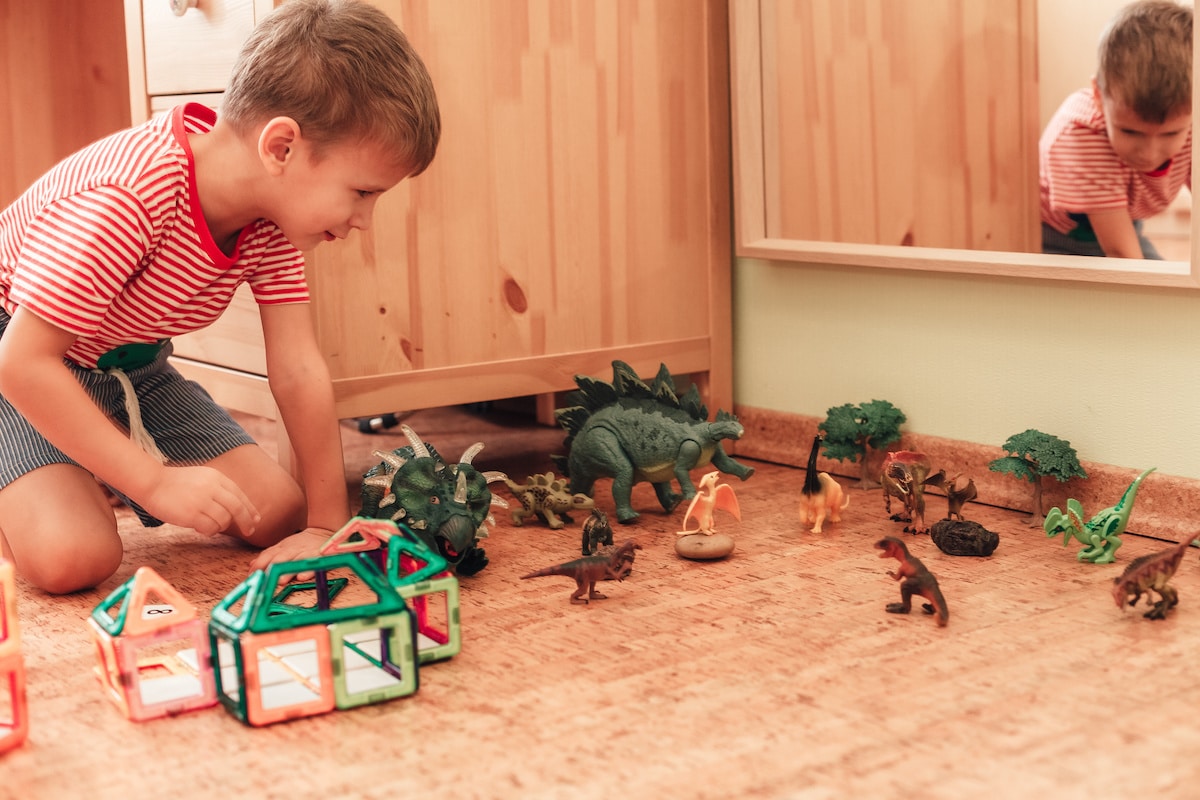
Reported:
(391, 459)
(470, 453)
(419, 448)
(460, 489)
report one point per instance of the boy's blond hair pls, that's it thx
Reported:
(1146, 59)
(344, 72)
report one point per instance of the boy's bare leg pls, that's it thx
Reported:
(273, 491)
(59, 530)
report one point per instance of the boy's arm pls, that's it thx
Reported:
(303, 391)
(1115, 233)
(35, 380)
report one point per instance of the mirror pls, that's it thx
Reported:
(787, 205)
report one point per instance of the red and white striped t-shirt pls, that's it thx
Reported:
(1081, 173)
(111, 244)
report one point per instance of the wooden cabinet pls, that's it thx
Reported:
(578, 210)
(63, 82)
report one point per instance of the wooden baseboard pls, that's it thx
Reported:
(1163, 509)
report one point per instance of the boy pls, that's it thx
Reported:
(1117, 153)
(145, 235)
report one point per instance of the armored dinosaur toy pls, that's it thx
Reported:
(633, 432)
(588, 570)
(1151, 573)
(1100, 535)
(447, 505)
(915, 579)
(547, 497)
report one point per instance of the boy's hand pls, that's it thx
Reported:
(305, 544)
(203, 499)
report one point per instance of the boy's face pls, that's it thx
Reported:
(320, 200)
(1143, 146)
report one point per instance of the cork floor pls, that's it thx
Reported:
(774, 673)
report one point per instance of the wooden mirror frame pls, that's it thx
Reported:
(751, 198)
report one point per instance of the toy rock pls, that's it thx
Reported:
(547, 497)
(633, 432)
(963, 538)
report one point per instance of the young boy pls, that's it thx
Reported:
(145, 235)
(1117, 153)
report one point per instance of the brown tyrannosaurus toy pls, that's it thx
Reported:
(1151, 572)
(614, 565)
(915, 579)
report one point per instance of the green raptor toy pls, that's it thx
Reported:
(1100, 535)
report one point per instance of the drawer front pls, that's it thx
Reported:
(194, 52)
(234, 341)
(162, 103)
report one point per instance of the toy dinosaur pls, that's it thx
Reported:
(1150, 573)
(1100, 535)
(821, 496)
(633, 432)
(956, 498)
(447, 505)
(710, 498)
(547, 497)
(905, 475)
(596, 532)
(915, 579)
(588, 570)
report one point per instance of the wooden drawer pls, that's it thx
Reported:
(162, 103)
(234, 341)
(194, 52)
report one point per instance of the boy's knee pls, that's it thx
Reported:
(62, 573)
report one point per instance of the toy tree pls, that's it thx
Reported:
(1034, 455)
(852, 432)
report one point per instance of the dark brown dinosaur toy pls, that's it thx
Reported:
(915, 580)
(586, 571)
(1150, 573)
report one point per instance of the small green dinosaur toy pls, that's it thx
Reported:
(1100, 535)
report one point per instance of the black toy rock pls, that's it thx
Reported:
(963, 538)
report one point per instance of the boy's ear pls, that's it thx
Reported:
(1097, 95)
(277, 143)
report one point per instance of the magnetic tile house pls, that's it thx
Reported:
(14, 719)
(285, 648)
(139, 631)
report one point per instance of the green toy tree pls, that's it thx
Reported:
(851, 432)
(1034, 455)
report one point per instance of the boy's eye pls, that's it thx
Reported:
(365, 193)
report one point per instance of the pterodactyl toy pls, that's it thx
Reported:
(710, 496)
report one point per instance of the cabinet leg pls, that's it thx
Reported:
(544, 410)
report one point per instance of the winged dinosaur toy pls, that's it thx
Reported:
(710, 497)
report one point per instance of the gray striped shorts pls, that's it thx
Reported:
(186, 423)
